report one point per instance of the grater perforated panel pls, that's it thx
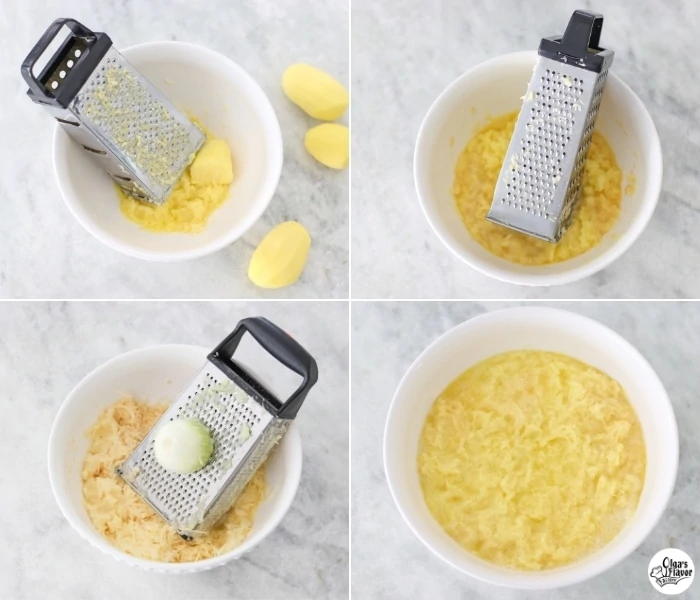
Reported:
(540, 180)
(236, 421)
(116, 115)
(134, 120)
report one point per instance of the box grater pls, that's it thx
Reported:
(245, 419)
(540, 180)
(122, 121)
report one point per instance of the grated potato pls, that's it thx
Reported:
(476, 174)
(532, 460)
(120, 515)
(189, 205)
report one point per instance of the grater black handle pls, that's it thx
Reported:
(281, 346)
(580, 44)
(582, 33)
(99, 44)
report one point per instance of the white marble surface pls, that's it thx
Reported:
(46, 253)
(388, 561)
(46, 348)
(405, 53)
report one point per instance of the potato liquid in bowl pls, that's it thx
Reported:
(532, 460)
(476, 174)
(119, 514)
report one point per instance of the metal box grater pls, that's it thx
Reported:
(125, 124)
(246, 422)
(540, 180)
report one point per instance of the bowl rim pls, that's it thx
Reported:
(292, 438)
(551, 579)
(503, 273)
(271, 179)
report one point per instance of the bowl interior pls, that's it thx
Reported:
(542, 329)
(232, 106)
(151, 374)
(495, 88)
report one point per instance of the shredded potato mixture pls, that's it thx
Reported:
(532, 460)
(476, 174)
(187, 209)
(124, 518)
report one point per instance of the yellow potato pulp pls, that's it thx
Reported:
(476, 174)
(532, 460)
(203, 187)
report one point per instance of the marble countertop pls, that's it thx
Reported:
(47, 348)
(388, 561)
(46, 253)
(402, 59)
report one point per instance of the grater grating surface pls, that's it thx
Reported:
(234, 419)
(245, 422)
(540, 180)
(137, 123)
(125, 124)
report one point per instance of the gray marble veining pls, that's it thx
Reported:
(46, 253)
(405, 53)
(47, 348)
(389, 562)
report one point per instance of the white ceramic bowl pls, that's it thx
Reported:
(542, 329)
(232, 106)
(154, 373)
(492, 89)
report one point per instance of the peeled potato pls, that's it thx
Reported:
(315, 92)
(280, 258)
(212, 165)
(329, 144)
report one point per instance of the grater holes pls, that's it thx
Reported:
(121, 120)
(181, 496)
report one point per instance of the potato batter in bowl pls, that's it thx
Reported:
(120, 515)
(476, 174)
(203, 187)
(532, 460)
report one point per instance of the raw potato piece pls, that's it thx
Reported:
(212, 165)
(329, 144)
(280, 258)
(315, 92)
